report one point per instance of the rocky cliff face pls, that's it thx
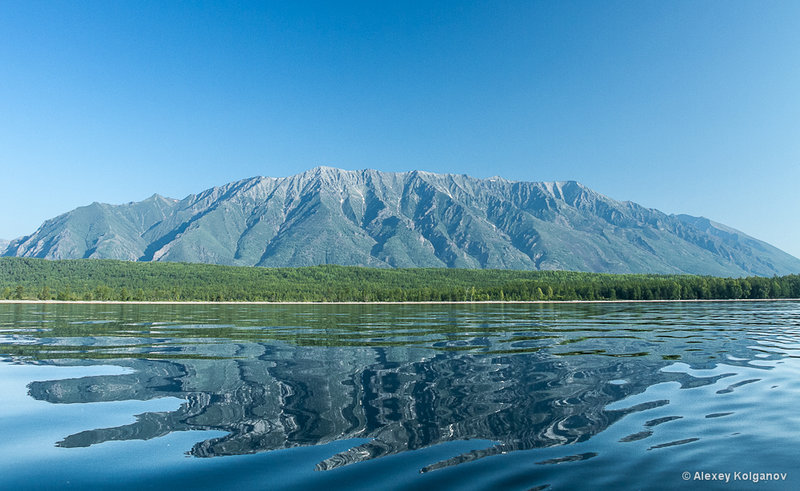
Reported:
(411, 219)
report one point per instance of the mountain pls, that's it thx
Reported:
(410, 219)
(3, 245)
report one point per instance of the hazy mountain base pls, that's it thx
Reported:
(23, 278)
(413, 219)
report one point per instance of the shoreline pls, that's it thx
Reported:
(427, 302)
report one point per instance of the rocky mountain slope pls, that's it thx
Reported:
(411, 219)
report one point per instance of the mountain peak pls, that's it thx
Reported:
(405, 219)
(324, 169)
(158, 197)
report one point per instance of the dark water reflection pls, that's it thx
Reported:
(398, 378)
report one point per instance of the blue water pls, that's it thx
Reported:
(561, 396)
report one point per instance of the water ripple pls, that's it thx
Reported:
(587, 386)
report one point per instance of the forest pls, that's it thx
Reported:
(110, 280)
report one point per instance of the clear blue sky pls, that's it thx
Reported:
(685, 106)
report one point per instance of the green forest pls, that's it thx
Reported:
(91, 279)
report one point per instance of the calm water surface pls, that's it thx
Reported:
(562, 396)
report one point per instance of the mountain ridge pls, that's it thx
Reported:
(404, 219)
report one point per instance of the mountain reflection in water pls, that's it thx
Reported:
(403, 378)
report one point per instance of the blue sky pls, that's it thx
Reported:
(688, 107)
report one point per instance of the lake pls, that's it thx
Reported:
(487, 396)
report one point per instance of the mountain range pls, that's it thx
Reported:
(408, 219)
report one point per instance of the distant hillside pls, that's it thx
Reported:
(411, 219)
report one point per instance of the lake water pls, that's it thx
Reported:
(545, 396)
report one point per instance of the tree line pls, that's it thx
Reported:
(110, 280)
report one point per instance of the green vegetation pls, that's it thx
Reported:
(88, 279)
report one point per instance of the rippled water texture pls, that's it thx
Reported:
(561, 396)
